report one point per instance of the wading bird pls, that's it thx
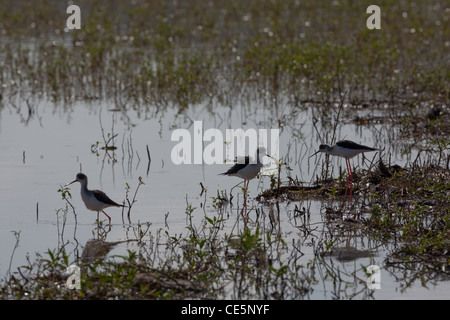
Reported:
(346, 149)
(247, 169)
(94, 200)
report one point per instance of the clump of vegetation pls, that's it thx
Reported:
(412, 208)
(406, 206)
(204, 263)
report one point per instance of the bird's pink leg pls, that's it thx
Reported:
(98, 224)
(245, 198)
(245, 194)
(348, 178)
(351, 179)
(107, 216)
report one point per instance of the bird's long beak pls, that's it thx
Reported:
(70, 183)
(314, 154)
(264, 155)
(271, 157)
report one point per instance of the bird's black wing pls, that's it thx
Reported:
(353, 145)
(102, 197)
(237, 167)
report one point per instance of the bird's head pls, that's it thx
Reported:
(81, 177)
(322, 148)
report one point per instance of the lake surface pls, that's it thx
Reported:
(45, 150)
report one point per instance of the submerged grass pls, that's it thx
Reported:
(203, 264)
(409, 207)
(412, 208)
(180, 53)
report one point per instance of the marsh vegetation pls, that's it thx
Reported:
(285, 60)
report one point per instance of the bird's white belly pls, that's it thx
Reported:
(249, 172)
(92, 203)
(346, 153)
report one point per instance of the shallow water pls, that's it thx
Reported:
(42, 153)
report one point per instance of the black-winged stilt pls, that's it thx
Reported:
(94, 200)
(346, 149)
(247, 169)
